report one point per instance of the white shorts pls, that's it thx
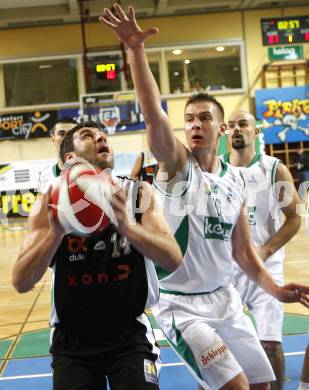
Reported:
(267, 310)
(214, 337)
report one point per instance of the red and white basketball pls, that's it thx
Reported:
(80, 200)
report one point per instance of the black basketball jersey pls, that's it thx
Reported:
(101, 281)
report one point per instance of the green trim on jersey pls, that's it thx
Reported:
(273, 172)
(223, 168)
(255, 159)
(182, 238)
(184, 350)
(187, 294)
(56, 170)
(226, 157)
(184, 189)
(273, 176)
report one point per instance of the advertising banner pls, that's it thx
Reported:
(26, 125)
(113, 118)
(19, 186)
(284, 113)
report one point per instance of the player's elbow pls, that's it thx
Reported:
(20, 285)
(242, 254)
(176, 259)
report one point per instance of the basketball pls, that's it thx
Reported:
(80, 200)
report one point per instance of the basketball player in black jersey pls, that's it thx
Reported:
(103, 283)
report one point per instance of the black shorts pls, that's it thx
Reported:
(124, 358)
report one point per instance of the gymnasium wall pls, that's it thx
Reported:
(55, 40)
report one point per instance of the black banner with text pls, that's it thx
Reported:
(27, 125)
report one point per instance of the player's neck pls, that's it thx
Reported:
(242, 157)
(207, 160)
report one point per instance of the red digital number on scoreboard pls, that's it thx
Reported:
(273, 39)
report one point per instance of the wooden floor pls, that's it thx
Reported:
(21, 313)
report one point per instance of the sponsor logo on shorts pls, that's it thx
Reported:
(150, 371)
(212, 355)
(215, 229)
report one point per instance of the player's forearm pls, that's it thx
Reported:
(162, 248)
(160, 137)
(145, 85)
(254, 267)
(33, 261)
(282, 236)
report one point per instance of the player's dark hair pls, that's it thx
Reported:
(67, 145)
(204, 97)
(65, 119)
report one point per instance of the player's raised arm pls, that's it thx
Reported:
(40, 244)
(168, 151)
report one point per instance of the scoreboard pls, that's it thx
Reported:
(281, 31)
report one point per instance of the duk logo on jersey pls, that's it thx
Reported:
(216, 230)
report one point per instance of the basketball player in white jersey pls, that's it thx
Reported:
(268, 182)
(58, 132)
(199, 310)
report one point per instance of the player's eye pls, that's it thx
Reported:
(205, 118)
(87, 135)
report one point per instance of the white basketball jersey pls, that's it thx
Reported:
(264, 214)
(202, 212)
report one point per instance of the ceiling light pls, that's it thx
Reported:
(220, 48)
(187, 62)
(177, 52)
(176, 73)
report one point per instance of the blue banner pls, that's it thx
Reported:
(114, 119)
(284, 113)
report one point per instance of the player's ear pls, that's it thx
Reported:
(256, 131)
(68, 157)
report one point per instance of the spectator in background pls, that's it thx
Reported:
(302, 165)
(144, 167)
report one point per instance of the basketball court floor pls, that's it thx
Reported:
(24, 342)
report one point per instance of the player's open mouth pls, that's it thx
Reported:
(196, 136)
(103, 149)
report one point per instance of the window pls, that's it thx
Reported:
(154, 58)
(40, 82)
(105, 73)
(204, 68)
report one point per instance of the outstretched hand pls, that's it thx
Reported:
(125, 26)
(293, 292)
